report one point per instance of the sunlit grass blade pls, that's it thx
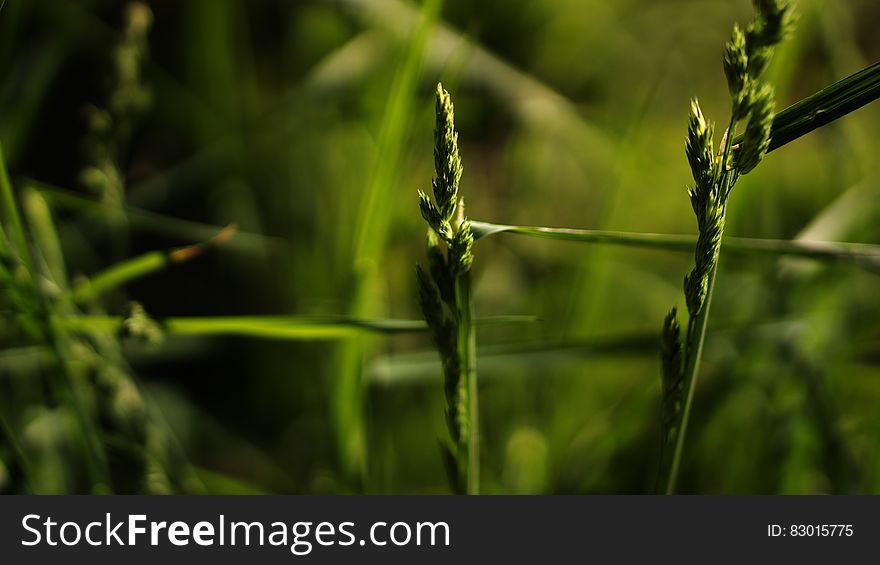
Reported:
(303, 328)
(141, 266)
(861, 253)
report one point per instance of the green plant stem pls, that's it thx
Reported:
(696, 337)
(696, 332)
(467, 358)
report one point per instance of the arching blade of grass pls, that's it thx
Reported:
(371, 231)
(140, 266)
(823, 107)
(861, 253)
(274, 327)
(294, 328)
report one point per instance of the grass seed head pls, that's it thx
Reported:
(698, 146)
(756, 139)
(736, 69)
(447, 161)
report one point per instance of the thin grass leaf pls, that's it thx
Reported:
(823, 107)
(297, 328)
(861, 253)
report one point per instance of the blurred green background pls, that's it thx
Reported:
(287, 117)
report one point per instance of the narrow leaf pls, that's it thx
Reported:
(823, 107)
(860, 253)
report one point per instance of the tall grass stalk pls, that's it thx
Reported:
(446, 300)
(746, 56)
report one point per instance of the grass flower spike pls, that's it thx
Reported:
(746, 56)
(445, 298)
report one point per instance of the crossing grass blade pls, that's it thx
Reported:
(866, 255)
(138, 267)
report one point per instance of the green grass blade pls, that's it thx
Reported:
(823, 107)
(141, 266)
(467, 351)
(860, 253)
(300, 328)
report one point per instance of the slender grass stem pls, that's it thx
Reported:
(467, 357)
(696, 338)
(696, 332)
